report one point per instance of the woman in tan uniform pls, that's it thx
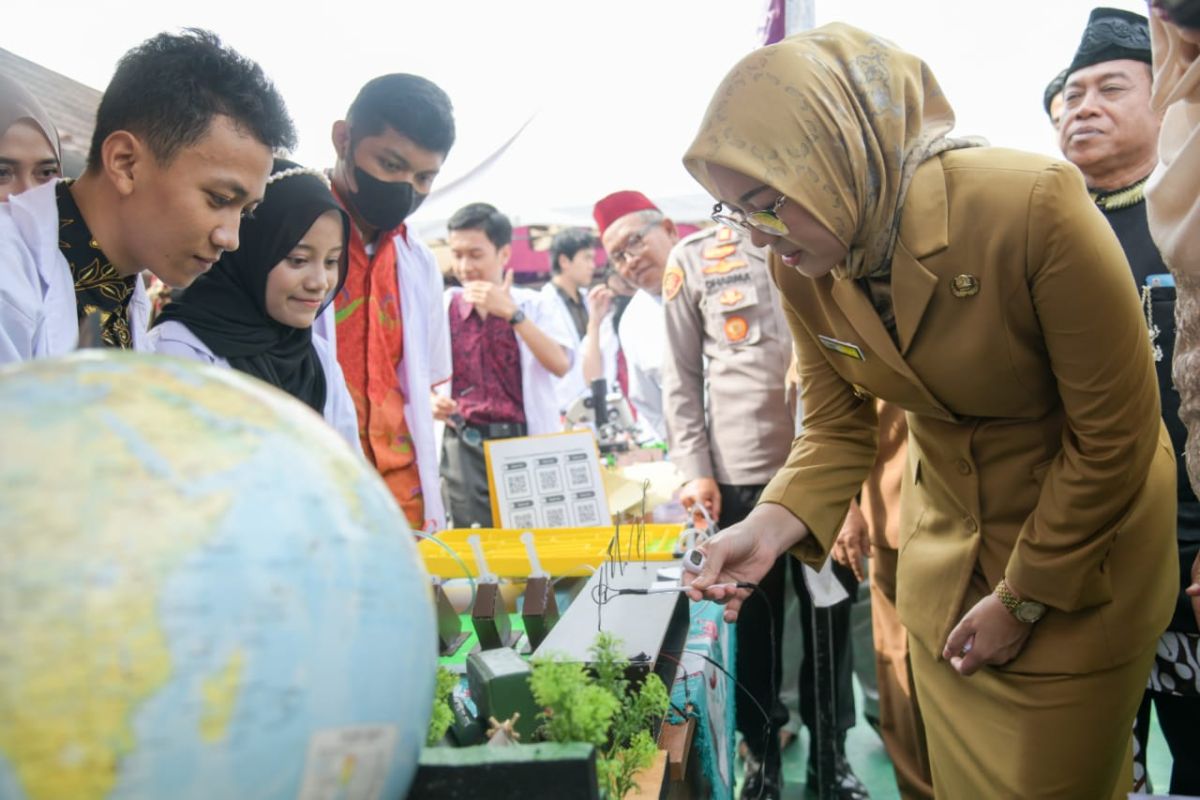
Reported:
(980, 290)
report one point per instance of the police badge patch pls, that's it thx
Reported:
(672, 281)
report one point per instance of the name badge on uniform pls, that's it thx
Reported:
(845, 348)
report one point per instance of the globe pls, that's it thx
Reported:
(203, 593)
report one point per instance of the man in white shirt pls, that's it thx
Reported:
(181, 149)
(638, 237)
(573, 267)
(507, 348)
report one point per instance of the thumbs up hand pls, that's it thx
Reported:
(492, 298)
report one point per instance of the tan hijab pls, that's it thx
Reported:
(1172, 199)
(838, 120)
(16, 104)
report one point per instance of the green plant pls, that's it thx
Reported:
(442, 716)
(602, 710)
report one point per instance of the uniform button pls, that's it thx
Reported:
(964, 467)
(972, 525)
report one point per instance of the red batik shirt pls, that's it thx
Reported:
(370, 333)
(487, 366)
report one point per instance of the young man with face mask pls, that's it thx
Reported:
(181, 150)
(390, 329)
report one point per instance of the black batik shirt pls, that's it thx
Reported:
(98, 288)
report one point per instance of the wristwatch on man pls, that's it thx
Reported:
(1027, 611)
(517, 318)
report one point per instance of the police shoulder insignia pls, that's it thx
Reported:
(672, 281)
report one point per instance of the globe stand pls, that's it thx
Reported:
(449, 624)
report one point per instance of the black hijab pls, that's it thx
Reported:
(226, 307)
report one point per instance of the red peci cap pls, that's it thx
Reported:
(617, 205)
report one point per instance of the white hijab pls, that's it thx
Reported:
(18, 103)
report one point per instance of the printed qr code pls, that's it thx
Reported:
(547, 481)
(518, 484)
(579, 475)
(588, 514)
(556, 516)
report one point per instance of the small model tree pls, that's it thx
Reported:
(602, 710)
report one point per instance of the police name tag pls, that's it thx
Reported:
(845, 348)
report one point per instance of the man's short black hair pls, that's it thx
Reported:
(483, 217)
(568, 243)
(408, 104)
(168, 88)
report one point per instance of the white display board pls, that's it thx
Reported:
(550, 481)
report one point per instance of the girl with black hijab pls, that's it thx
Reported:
(254, 310)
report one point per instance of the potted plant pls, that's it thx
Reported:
(600, 707)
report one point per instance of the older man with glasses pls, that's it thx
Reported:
(638, 237)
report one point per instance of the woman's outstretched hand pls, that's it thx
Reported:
(744, 552)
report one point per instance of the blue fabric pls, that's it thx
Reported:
(708, 695)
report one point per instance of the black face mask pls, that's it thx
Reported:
(383, 205)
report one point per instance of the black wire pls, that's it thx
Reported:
(684, 715)
(599, 592)
(601, 596)
(753, 587)
(773, 689)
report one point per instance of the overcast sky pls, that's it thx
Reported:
(623, 82)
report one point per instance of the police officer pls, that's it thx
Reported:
(730, 344)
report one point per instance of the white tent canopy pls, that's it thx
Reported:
(523, 176)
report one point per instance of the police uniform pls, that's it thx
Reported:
(728, 418)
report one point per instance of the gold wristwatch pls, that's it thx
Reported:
(1027, 611)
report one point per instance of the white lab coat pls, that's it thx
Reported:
(537, 382)
(643, 333)
(572, 386)
(173, 338)
(425, 362)
(38, 318)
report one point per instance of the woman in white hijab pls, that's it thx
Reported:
(29, 148)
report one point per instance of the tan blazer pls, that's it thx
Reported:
(1036, 448)
(880, 497)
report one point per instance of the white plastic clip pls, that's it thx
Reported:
(485, 574)
(535, 564)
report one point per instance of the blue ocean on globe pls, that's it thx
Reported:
(203, 593)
